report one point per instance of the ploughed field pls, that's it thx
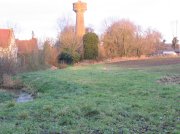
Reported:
(149, 62)
(140, 96)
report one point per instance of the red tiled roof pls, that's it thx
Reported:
(5, 35)
(27, 46)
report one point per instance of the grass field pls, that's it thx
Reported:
(95, 99)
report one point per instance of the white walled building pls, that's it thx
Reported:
(8, 46)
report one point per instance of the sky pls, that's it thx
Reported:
(41, 16)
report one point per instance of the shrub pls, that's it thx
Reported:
(11, 104)
(76, 57)
(7, 66)
(9, 83)
(68, 58)
(48, 108)
(65, 57)
(32, 61)
(90, 41)
(23, 115)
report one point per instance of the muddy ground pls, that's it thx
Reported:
(149, 62)
(153, 62)
(170, 80)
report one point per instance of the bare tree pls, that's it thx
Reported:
(152, 41)
(119, 37)
(64, 22)
(174, 42)
(67, 39)
(139, 42)
(124, 38)
(12, 25)
(50, 52)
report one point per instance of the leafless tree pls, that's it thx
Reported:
(152, 41)
(119, 37)
(175, 43)
(12, 25)
(68, 41)
(124, 38)
(50, 52)
(63, 22)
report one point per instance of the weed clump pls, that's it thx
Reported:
(11, 104)
(48, 108)
(66, 120)
(170, 80)
(89, 111)
(24, 115)
(9, 83)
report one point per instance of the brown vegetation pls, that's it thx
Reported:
(50, 53)
(121, 39)
(9, 83)
(69, 41)
(124, 38)
(7, 66)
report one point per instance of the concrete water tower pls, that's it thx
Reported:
(79, 8)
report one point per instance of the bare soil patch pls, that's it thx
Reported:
(148, 62)
(170, 80)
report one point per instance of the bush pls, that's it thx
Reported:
(68, 58)
(76, 57)
(9, 83)
(90, 41)
(23, 115)
(11, 104)
(7, 66)
(32, 61)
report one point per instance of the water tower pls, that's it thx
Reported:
(79, 8)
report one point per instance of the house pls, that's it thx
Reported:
(169, 50)
(8, 46)
(166, 49)
(26, 48)
(169, 53)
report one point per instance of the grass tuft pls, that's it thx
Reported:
(23, 115)
(11, 104)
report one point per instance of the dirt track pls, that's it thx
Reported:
(149, 62)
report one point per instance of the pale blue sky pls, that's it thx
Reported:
(41, 15)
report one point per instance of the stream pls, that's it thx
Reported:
(24, 97)
(21, 96)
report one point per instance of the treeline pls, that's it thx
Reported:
(121, 38)
(124, 38)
